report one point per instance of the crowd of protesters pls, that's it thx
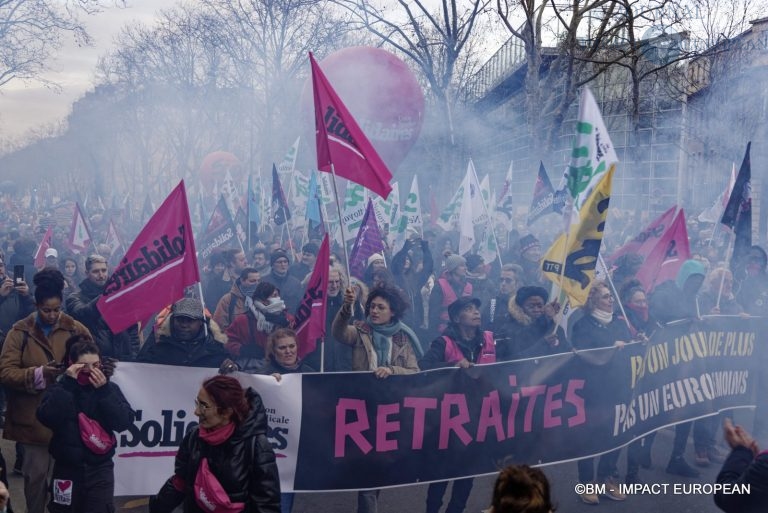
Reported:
(418, 308)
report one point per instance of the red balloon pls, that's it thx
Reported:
(382, 94)
(214, 168)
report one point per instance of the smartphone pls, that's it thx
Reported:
(18, 274)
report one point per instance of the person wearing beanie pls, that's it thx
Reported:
(530, 261)
(302, 268)
(670, 301)
(181, 339)
(375, 262)
(450, 286)
(477, 274)
(530, 327)
(290, 288)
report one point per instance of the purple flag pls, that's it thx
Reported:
(367, 243)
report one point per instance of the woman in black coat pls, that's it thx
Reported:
(600, 328)
(229, 446)
(83, 392)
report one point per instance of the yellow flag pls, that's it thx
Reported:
(580, 248)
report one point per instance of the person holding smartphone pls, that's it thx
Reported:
(29, 364)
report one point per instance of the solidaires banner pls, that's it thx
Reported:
(348, 431)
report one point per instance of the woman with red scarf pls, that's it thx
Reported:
(226, 463)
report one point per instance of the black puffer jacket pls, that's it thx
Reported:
(524, 337)
(82, 306)
(59, 410)
(244, 465)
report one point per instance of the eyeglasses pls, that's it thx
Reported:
(606, 296)
(202, 406)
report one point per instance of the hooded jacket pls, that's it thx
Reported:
(204, 351)
(668, 302)
(245, 465)
(82, 306)
(524, 337)
(25, 348)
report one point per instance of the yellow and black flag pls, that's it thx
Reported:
(578, 250)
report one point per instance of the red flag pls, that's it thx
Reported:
(45, 244)
(667, 256)
(310, 316)
(646, 240)
(340, 141)
(157, 267)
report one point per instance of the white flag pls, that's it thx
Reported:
(354, 209)
(593, 152)
(288, 163)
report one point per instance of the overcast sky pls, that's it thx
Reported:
(24, 106)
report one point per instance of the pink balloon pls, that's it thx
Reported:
(214, 168)
(382, 94)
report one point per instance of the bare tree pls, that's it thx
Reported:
(267, 43)
(32, 31)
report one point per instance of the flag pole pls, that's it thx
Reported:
(341, 223)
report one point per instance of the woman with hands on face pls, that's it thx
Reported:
(83, 409)
(29, 364)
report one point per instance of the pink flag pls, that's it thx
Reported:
(645, 241)
(79, 235)
(669, 253)
(340, 141)
(157, 267)
(310, 316)
(45, 244)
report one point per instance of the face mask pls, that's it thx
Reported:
(274, 300)
(84, 377)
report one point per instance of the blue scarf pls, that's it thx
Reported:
(382, 340)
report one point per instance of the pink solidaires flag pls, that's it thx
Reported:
(667, 256)
(79, 235)
(341, 143)
(45, 244)
(156, 269)
(310, 316)
(646, 240)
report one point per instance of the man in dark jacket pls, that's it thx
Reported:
(183, 340)
(82, 306)
(302, 268)
(290, 288)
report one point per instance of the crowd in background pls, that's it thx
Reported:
(421, 307)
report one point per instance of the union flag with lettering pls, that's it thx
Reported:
(156, 269)
(341, 144)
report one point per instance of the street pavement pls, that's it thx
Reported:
(562, 476)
